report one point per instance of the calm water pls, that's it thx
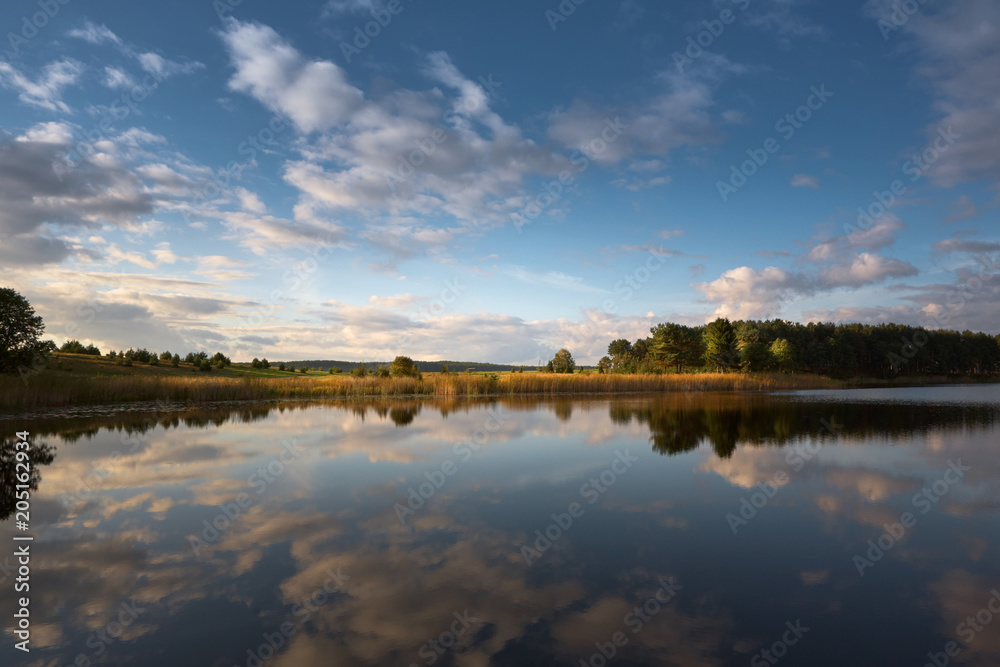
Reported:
(811, 528)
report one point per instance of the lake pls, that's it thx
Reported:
(856, 527)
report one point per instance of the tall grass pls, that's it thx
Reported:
(58, 391)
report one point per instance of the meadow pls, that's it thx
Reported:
(71, 380)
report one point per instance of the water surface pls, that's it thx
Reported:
(823, 528)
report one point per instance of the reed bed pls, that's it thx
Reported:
(60, 391)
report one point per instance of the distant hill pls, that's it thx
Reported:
(424, 366)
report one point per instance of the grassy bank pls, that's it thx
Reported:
(79, 380)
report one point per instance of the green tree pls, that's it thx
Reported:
(20, 332)
(676, 346)
(620, 352)
(720, 345)
(444, 369)
(404, 367)
(359, 371)
(563, 362)
(783, 355)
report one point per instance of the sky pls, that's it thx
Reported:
(358, 179)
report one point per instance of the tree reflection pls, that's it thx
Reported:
(725, 422)
(39, 454)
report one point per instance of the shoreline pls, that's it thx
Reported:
(63, 388)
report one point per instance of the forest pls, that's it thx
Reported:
(836, 350)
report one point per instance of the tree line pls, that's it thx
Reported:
(837, 350)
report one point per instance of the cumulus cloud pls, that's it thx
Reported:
(315, 94)
(35, 196)
(865, 269)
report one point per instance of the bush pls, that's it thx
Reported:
(359, 371)
(175, 361)
(303, 370)
(384, 372)
(403, 367)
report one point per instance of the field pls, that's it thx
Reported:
(72, 379)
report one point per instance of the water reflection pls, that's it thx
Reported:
(299, 556)
(38, 455)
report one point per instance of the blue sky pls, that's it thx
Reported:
(494, 181)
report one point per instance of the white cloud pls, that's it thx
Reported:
(46, 91)
(865, 269)
(958, 53)
(315, 94)
(95, 34)
(804, 181)
(115, 77)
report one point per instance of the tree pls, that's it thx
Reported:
(604, 365)
(175, 360)
(720, 345)
(444, 369)
(359, 371)
(620, 352)
(20, 330)
(563, 362)
(783, 355)
(676, 345)
(404, 367)
(264, 363)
